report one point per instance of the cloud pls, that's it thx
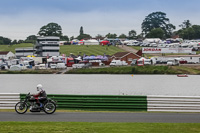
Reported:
(94, 22)
(96, 17)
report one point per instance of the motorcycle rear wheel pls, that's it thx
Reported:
(21, 107)
(49, 108)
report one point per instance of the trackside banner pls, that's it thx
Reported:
(149, 50)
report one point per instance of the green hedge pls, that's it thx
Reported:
(99, 102)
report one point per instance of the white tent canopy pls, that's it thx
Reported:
(91, 42)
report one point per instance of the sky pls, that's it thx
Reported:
(21, 18)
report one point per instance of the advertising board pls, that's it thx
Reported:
(149, 50)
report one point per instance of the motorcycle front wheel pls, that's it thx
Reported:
(49, 108)
(21, 107)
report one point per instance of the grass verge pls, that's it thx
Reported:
(138, 70)
(97, 127)
(49, 71)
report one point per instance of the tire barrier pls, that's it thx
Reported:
(173, 103)
(8, 100)
(99, 102)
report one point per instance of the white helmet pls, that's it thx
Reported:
(39, 87)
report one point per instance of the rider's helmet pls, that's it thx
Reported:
(39, 87)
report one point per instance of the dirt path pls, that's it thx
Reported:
(128, 49)
(62, 71)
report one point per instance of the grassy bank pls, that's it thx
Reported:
(97, 127)
(49, 71)
(74, 49)
(195, 70)
(138, 70)
(89, 50)
(12, 47)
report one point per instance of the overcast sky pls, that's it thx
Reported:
(21, 18)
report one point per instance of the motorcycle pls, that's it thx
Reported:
(30, 102)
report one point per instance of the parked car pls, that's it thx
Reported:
(3, 67)
(134, 62)
(82, 64)
(87, 65)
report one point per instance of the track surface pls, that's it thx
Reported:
(103, 117)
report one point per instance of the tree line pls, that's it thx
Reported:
(155, 25)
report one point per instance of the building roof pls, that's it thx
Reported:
(48, 37)
(4, 52)
(122, 54)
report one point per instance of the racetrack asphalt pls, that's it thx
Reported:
(103, 117)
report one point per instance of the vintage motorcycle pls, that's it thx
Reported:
(30, 102)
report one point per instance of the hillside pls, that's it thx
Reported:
(89, 50)
(12, 47)
(74, 49)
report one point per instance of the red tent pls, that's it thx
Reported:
(104, 42)
(81, 41)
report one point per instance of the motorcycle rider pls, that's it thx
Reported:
(41, 95)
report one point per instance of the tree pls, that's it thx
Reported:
(156, 33)
(99, 37)
(83, 36)
(14, 42)
(81, 30)
(111, 35)
(192, 32)
(186, 24)
(132, 34)
(4, 41)
(51, 29)
(196, 29)
(20, 41)
(122, 36)
(157, 20)
(64, 38)
(31, 39)
(140, 36)
(71, 38)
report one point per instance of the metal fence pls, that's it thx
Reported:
(173, 103)
(8, 100)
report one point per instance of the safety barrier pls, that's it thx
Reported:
(173, 103)
(114, 102)
(99, 102)
(8, 100)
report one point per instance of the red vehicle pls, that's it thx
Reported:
(69, 62)
(104, 42)
(182, 75)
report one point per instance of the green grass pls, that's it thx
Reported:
(89, 49)
(137, 70)
(31, 71)
(136, 47)
(75, 49)
(97, 127)
(12, 47)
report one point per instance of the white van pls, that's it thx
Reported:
(172, 62)
(53, 66)
(60, 66)
(118, 63)
(40, 66)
